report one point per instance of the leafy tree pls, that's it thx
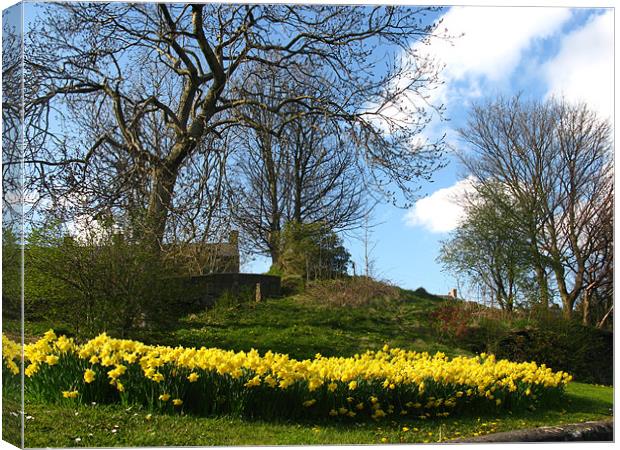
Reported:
(312, 251)
(488, 250)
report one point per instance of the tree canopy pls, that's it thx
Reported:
(131, 105)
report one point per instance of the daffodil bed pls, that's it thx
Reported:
(214, 381)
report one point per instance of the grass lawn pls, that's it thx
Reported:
(301, 329)
(114, 425)
(292, 325)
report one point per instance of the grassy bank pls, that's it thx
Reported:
(299, 326)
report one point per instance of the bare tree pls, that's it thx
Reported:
(12, 169)
(597, 297)
(11, 125)
(553, 158)
(102, 76)
(292, 167)
(369, 243)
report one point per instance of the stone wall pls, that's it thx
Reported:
(203, 290)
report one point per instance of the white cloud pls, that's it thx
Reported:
(583, 69)
(88, 231)
(440, 212)
(85, 228)
(487, 46)
(493, 38)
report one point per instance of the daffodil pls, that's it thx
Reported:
(89, 376)
(31, 370)
(193, 377)
(397, 376)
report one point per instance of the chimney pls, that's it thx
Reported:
(233, 238)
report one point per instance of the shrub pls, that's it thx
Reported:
(468, 324)
(11, 275)
(350, 291)
(585, 352)
(108, 283)
(230, 298)
(451, 320)
(292, 284)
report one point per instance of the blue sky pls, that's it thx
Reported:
(538, 51)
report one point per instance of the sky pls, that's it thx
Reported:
(536, 51)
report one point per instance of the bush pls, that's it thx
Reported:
(292, 284)
(584, 352)
(105, 284)
(11, 276)
(451, 320)
(353, 291)
(230, 299)
(470, 325)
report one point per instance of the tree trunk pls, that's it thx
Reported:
(568, 298)
(541, 278)
(586, 307)
(274, 241)
(567, 303)
(274, 252)
(604, 319)
(160, 200)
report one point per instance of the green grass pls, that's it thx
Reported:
(11, 420)
(301, 329)
(95, 425)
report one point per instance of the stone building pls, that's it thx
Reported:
(207, 258)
